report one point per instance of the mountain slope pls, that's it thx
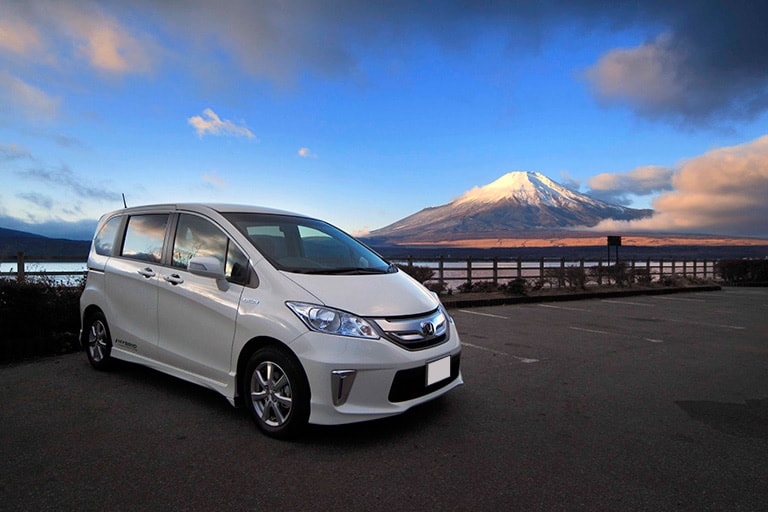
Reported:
(516, 202)
(36, 246)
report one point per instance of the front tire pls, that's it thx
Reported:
(276, 393)
(98, 341)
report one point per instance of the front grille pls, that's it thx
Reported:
(412, 383)
(416, 332)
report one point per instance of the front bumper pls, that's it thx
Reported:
(355, 380)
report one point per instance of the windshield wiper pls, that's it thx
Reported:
(346, 271)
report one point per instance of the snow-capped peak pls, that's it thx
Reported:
(528, 187)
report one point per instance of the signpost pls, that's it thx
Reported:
(613, 241)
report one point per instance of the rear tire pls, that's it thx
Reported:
(98, 341)
(276, 393)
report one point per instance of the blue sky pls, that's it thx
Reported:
(365, 112)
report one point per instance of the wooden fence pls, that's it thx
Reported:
(24, 271)
(557, 272)
(452, 272)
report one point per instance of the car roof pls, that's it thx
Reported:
(205, 208)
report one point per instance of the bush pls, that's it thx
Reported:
(478, 286)
(572, 276)
(38, 317)
(642, 276)
(743, 271)
(517, 286)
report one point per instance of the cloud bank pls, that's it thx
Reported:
(678, 73)
(723, 191)
(617, 187)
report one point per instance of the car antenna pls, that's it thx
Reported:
(125, 205)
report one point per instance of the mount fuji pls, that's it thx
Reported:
(517, 203)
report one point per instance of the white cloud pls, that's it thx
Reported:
(307, 153)
(26, 99)
(646, 76)
(210, 123)
(723, 191)
(19, 37)
(13, 152)
(643, 181)
(214, 181)
(53, 32)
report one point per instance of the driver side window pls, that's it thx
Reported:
(196, 236)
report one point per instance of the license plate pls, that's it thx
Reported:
(438, 370)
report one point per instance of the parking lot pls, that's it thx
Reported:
(640, 403)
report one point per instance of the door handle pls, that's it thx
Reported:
(146, 272)
(174, 279)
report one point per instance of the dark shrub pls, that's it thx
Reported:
(38, 317)
(517, 286)
(743, 271)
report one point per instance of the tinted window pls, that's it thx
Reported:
(144, 237)
(237, 265)
(105, 238)
(196, 236)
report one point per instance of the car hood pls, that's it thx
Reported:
(377, 295)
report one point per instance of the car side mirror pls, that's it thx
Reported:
(208, 266)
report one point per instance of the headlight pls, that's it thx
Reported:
(333, 321)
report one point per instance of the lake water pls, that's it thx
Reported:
(75, 269)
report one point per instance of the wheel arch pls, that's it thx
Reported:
(88, 313)
(248, 350)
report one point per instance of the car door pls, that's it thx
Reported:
(196, 314)
(131, 278)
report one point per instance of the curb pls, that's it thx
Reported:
(470, 302)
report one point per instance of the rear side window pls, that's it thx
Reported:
(105, 238)
(144, 237)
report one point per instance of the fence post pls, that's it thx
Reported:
(661, 268)
(561, 281)
(600, 272)
(495, 271)
(469, 272)
(519, 267)
(20, 270)
(440, 273)
(685, 268)
(410, 261)
(541, 272)
(648, 268)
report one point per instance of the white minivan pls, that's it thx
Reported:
(286, 314)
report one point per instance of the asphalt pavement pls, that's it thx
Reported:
(616, 403)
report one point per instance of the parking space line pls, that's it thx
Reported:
(705, 324)
(550, 306)
(680, 299)
(617, 334)
(594, 331)
(628, 303)
(465, 344)
(526, 360)
(483, 314)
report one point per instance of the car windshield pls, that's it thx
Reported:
(307, 246)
